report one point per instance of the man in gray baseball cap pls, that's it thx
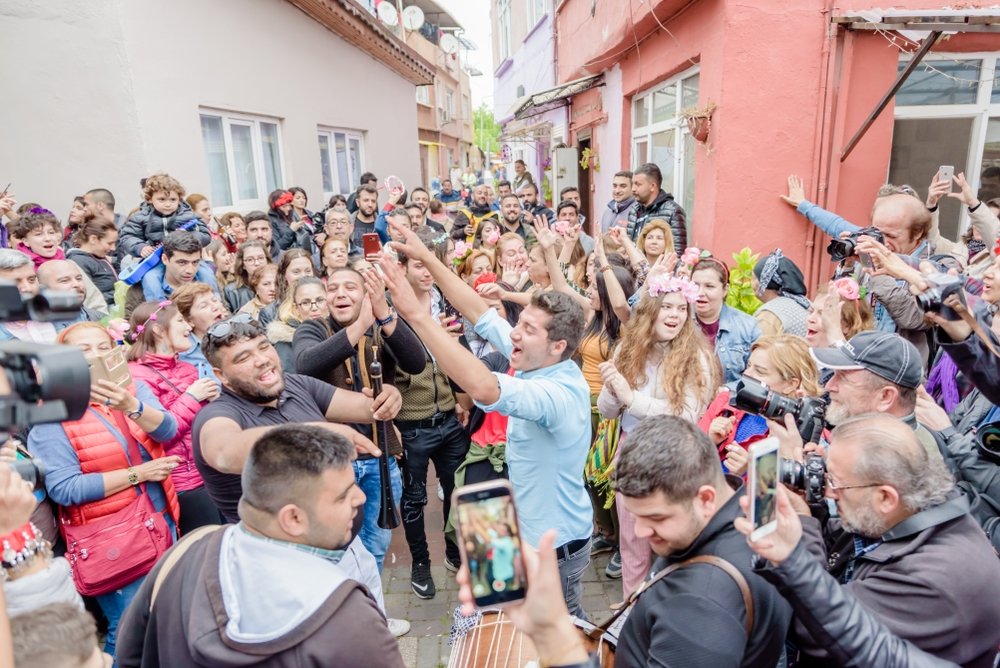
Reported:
(875, 372)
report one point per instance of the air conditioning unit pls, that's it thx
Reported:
(444, 115)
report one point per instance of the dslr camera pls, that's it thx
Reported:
(40, 383)
(754, 396)
(841, 249)
(941, 287)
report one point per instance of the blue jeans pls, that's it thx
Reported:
(367, 475)
(571, 568)
(113, 605)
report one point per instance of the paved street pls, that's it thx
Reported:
(426, 645)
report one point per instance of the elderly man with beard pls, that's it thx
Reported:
(256, 397)
(920, 563)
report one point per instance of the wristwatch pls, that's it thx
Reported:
(133, 477)
(137, 413)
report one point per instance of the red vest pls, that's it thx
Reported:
(100, 451)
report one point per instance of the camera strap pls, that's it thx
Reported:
(614, 623)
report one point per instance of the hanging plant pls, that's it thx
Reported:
(741, 295)
(699, 121)
(589, 157)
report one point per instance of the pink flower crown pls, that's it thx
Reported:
(661, 285)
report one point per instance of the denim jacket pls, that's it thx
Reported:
(737, 332)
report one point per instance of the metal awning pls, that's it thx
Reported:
(924, 20)
(536, 103)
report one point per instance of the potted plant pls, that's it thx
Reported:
(699, 121)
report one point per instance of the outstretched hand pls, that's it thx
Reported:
(411, 244)
(796, 192)
(404, 299)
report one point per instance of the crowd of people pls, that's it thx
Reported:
(220, 504)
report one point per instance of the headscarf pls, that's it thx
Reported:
(776, 272)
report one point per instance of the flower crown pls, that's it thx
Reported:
(462, 251)
(152, 318)
(692, 255)
(661, 285)
(284, 199)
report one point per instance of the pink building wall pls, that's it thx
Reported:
(790, 90)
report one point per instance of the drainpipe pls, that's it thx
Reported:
(822, 147)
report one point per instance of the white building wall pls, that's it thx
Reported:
(109, 91)
(609, 138)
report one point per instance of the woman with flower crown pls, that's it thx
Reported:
(663, 365)
(158, 334)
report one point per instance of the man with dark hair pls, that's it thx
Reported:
(529, 199)
(258, 231)
(181, 264)
(547, 442)
(621, 200)
(367, 179)
(515, 219)
(364, 215)
(653, 202)
(420, 197)
(522, 176)
(503, 189)
(286, 586)
(572, 194)
(910, 530)
(568, 212)
(448, 194)
(256, 397)
(339, 349)
(100, 204)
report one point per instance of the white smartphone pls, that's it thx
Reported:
(490, 542)
(946, 173)
(764, 479)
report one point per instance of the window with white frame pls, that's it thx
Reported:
(948, 113)
(466, 116)
(244, 158)
(424, 95)
(536, 10)
(342, 159)
(449, 103)
(660, 135)
(503, 20)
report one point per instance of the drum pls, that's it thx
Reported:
(495, 643)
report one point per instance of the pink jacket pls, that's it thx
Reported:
(169, 379)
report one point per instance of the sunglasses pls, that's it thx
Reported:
(224, 328)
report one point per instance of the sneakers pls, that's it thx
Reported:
(614, 568)
(599, 545)
(421, 581)
(398, 627)
(452, 566)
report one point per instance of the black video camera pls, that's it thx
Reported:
(841, 249)
(753, 396)
(41, 383)
(941, 286)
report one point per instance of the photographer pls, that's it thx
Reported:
(909, 530)
(851, 634)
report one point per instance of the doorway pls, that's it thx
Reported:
(583, 181)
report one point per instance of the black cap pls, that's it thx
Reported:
(887, 355)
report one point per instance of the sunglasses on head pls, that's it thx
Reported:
(223, 328)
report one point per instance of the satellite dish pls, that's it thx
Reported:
(387, 13)
(413, 18)
(449, 44)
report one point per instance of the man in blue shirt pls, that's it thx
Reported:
(547, 401)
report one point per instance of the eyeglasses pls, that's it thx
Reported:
(338, 223)
(311, 304)
(223, 328)
(834, 487)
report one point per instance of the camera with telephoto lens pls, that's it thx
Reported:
(753, 396)
(941, 286)
(41, 383)
(841, 249)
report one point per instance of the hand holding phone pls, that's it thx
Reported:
(764, 479)
(946, 174)
(372, 246)
(490, 542)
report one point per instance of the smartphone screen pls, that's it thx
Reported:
(372, 245)
(490, 542)
(763, 487)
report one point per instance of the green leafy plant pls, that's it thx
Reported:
(741, 295)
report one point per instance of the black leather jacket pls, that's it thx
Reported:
(851, 635)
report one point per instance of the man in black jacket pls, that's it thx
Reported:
(328, 349)
(668, 476)
(653, 202)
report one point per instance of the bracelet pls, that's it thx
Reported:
(133, 477)
(606, 267)
(934, 208)
(389, 318)
(972, 209)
